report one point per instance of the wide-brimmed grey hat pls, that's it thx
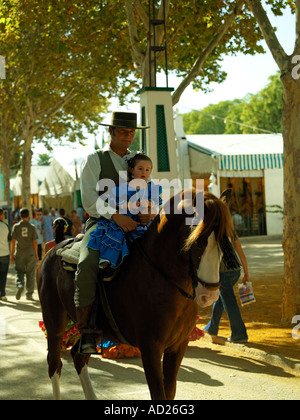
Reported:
(124, 120)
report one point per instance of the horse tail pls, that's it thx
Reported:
(45, 270)
(38, 270)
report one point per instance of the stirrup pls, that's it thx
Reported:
(87, 341)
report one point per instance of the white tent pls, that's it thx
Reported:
(37, 175)
(57, 182)
(17, 185)
(59, 187)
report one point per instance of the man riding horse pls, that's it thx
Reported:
(106, 163)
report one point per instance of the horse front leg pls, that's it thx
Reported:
(151, 357)
(171, 364)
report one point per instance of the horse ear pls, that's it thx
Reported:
(226, 196)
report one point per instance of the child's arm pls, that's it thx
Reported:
(154, 204)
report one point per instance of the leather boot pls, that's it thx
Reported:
(87, 343)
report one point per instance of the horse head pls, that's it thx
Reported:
(208, 239)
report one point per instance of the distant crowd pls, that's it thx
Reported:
(42, 220)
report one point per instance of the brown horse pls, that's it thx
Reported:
(152, 296)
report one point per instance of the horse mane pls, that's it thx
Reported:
(217, 218)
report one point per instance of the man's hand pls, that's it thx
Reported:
(145, 218)
(125, 222)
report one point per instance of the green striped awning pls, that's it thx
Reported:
(250, 162)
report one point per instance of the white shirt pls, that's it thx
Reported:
(4, 244)
(90, 170)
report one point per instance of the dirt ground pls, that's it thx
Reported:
(262, 319)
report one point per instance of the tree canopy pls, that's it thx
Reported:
(66, 59)
(60, 72)
(254, 113)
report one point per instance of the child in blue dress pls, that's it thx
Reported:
(136, 196)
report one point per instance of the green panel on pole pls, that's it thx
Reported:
(144, 144)
(163, 164)
(78, 198)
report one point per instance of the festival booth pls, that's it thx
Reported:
(59, 188)
(250, 164)
(37, 175)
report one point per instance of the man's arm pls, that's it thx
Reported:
(92, 203)
(239, 250)
(35, 247)
(12, 250)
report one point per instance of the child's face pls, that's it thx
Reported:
(142, 170)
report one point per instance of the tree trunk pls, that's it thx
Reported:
(291, 230)
(26, 172)
(5, 164)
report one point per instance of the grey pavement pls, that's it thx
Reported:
(264, 254)
(208, 371)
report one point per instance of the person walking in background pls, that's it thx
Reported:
(227, 299)
(47, 227)
(53, 214)
(76, 223)
(80, 213)
(38, 224)
(5, 237)
(24, 241)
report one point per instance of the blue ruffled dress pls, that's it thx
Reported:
(108, 237)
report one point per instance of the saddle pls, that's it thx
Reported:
(69, 254)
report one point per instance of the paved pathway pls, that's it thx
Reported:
(264, 254)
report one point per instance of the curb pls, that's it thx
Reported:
(273, 359)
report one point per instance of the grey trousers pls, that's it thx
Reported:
(86, 275)
(25, 265)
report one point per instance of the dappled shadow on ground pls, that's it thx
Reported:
(244, 363)
(22, 304)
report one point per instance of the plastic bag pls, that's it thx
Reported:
(246, 293)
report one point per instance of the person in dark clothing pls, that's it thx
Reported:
(24, 241)
(68, 233)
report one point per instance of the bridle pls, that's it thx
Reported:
(196, 279)
(192, 272)
(195, 253)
